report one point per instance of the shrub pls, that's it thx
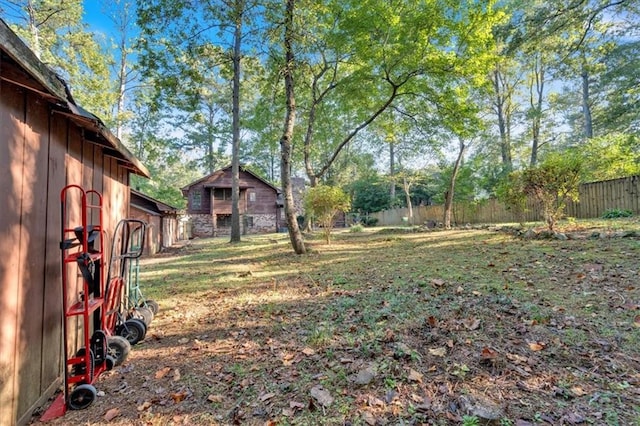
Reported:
(356, 228)
(616, 213)
(324, 203)
(369, 221)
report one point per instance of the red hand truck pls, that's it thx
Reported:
(82, 249)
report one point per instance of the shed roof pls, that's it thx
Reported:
(38, 78)
(145, 202)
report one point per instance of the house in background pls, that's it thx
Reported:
(46, 143)
(209, 204)
(162, 221)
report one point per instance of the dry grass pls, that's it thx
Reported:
(387, 327)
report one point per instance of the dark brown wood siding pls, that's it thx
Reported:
(265, 195)
(40, 152)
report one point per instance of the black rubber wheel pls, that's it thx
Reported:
(119, 348)
(144, 314)
(151, 304)
(133, 330)
(109, 362)
(82, 396)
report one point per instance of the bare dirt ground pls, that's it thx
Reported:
(386, 327)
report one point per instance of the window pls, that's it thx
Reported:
(196, 200)
(249, 221)
(252, 197)
(223, 221)
(222, 194)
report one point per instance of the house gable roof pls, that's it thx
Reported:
(221, 172)
(21, 67)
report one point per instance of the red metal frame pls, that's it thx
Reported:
(80, 254)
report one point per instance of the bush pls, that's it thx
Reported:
(616, 213)
(356, 228)
(369, 221)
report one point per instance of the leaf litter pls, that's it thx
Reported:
(469, 323)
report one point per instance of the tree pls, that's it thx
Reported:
(185, 46)
(286, 142)
(323, 203)
(551, 183)
(369, 54)
(55, 32)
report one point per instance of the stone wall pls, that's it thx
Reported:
(202, 225)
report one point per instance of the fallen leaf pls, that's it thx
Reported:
(369, 418)
(432, 321)
(488, 353)
(178, 396)
(176, 375)
(287, 412)
(215, 398)
(415, 376)
(578, 391)
(375, 402)
(183, 341)
(308, 351)
(459, 290)
(111, 414)
(144, 406)
(536, 346)
(321, 395)
(266, 396)
(471, 323)
(163, 372)
(294, 405)
(437, 282)
(636, 321)
(438, 352)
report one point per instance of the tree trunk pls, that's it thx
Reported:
(537, 89)
(407, 186)
(286, 142)
(501, 103)
(586, 108)
(448, 197)
(235, 148)
(392, 173)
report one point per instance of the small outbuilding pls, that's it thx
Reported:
(162, 221)
(47, 142)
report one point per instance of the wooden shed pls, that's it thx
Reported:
(161, 219)
(46, 142)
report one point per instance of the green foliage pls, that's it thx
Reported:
(617, 213)
(370, 194)
(356, 228)
(612, 156)
(369, 221)
(323, 203)
(470, 421)
(552, 183)
(511, 193)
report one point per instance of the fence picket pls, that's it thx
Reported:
(594, 199)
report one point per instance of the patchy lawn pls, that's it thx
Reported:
(387, 327)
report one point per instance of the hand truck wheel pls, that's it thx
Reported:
(151, 304)
(144, 314)
(119, 348)
(82, 396)
(133, 330)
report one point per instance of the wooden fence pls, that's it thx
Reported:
(594, 199)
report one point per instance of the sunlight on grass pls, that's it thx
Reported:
(475, 313)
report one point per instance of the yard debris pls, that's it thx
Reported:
(321, 396)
